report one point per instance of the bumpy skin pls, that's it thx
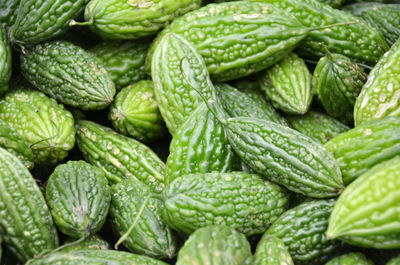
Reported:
(263, 35)
(69, 74)
(237, 104)
(366, 213)
(350, 259)
(118, 156)
(199, 146)
(5, 61)
(359, 42)
(135, 112)
(92, 242)
(45, 125)
(25, 220)
(333, 3)
(8, 11)
(122, 19)
(303, 229)
(285, 156)
(40, 20)
(365, 146)
(288, 85)
(215, 244)
(79, 198)
(174, 92)
(394, 261)
(272, 251)
(318, 126)
(151, 236)
(338, 82)
(14, 143)
(123, 60)
(96, 257)
(380, 96)
(239, 200)
(384, 17)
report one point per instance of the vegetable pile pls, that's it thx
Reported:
(257, 132)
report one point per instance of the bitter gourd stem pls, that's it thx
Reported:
(87, 23)
(125, 236)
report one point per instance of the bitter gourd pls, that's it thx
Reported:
(356, 258)
(40, 20)
(121, 19)
(394, 261)
(176, 98)
(79, 198)
(134, 112)
(118, 156)
(8, 11)
(95, 257)
(239, 200)
(365, 146)
(272, 251)
(151, 236)
(123, 60)
(92, 242)
(45, 125)
(253, 36)
(69, 74)
(25, 220)
(199, 146)
(303, 228)
(360, 42)
(237, 104)
(366, 213)
(14, 143)
(215, 244)
(288, 85)
(5, 61)
(338, 82)
(318, 126)
(380, 96)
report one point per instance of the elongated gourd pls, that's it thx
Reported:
(118, 156)
(272, 251)
(354, 258)
(5, 61)
(25, 220)
(366, 213)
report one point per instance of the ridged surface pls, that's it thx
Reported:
(248, 37)
(151, 236)
(5, 61)
(79, 198)
(303, 229)
(333, 3)
(354, 258)
(199, 146)
(176, 97)
(14, 143)
(380, 96)
(272, 251)
(338, 81)
(69, 74)
(135, 112)
(8, 11)
(288, 85)
(92, 242)
(366, 214)
(285, 156)
(215, 244)
(45, 125)
(384, 17)
(359, 41)
(237, 104)
(131, 19)
(239, 200)
(123, 60)
(118, 156)
(40, 20)
(318, 126)
(365, 146)
(25, 220)
(96, 257)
